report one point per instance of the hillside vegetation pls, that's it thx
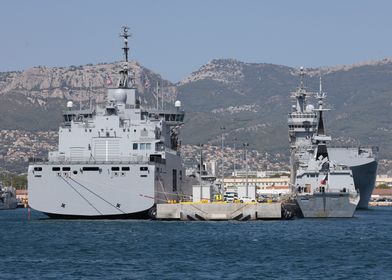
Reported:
(251, 100)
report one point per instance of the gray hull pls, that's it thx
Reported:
(364, 171)
(365, 179)
(328, 205)
(99, 193)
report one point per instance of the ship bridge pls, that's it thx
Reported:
(76, 115)
(171, 117)
(302, 121)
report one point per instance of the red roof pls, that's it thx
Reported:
(277, 187)
(21, 192)
(382, 192)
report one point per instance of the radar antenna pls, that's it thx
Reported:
(123, 82)
(125, 35)
(321, 85)
(302, 76)
(300, 94)
(321, 95)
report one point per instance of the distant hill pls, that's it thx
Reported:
(33, 99)
(251, 100)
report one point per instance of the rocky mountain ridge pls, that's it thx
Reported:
(33, 98)
(250, 100)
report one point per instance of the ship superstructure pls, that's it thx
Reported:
(303, 122)
(113, 162)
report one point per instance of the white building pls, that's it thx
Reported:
(263, 186)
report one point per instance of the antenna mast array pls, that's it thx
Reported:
(124, 72)
(125, 35)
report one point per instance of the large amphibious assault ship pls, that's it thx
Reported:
(361, 160)
(113, 162)
(322, 187)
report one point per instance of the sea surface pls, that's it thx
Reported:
(42, 248)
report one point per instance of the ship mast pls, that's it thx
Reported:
(301, 93)
(321, 95)
(124, 73)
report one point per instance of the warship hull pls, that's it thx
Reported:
(143, 215)
(365, 179)
(364, 171)
(99, 191)
(328, 205)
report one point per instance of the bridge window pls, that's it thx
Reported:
(135, 146)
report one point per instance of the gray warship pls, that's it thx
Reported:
(118, 161)
(8, 199)
(323, 188)
(361, 160)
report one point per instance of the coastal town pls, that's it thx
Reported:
(268, 173)
(18, 146)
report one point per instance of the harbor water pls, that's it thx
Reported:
(42, 248)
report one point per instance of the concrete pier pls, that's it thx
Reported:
(218, 211)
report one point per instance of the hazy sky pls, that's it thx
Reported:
(174, 38)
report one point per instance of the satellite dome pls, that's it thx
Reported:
(69, 104)
(118, 96)
(309, 107)
(177, 104)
